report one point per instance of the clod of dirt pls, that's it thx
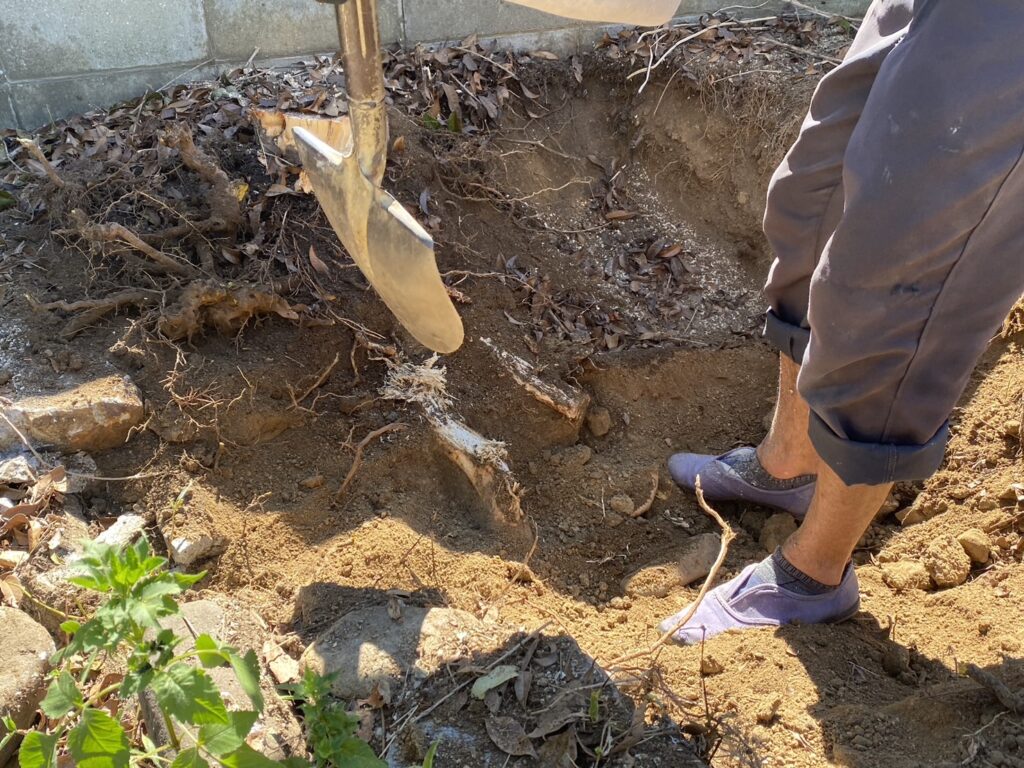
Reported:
(710, 666)
(946, 561)
(367, 647)
(90, 417)
(574, 457)
(906, 575)
(896, 659)
(923, 508)
(1011, 428)
(768, 710)
(599, 421)
(27, 648)
(976, 544)
(225, 308)
(776, 530)
(622, 504)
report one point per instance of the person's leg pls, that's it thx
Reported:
(917, 277)
(803, 207)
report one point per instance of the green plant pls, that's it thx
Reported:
(330, 729)
(86, 727)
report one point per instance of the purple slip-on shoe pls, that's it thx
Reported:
(737, 604)
(720, 482)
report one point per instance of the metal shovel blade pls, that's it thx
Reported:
(390, 247)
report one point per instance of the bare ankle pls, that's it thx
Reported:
(782, 463)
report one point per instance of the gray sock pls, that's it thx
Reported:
(745, 463)
(777, 570)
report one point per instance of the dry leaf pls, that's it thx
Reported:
(497, 676)
(317, 262)
(509, 736)
(620, 215)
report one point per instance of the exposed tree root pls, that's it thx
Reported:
(225, 211)
(114, 233)
(92, 310)
(204, 304)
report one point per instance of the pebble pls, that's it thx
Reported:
(946, 561)
(896, 660)
(976, 544)
(574, 457)
(599, 421)
(710, 666)
(315, 481)
(1012, 428)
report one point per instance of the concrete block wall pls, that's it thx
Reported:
(59, 57)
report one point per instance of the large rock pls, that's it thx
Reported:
(92, 416)
(367, 647)
(26, 648)
(697, 555)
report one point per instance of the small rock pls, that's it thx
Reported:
(776, 530)
(613, 519)
(599, 421)
(312, 482)
(124, 531)
(923, 508)
(987, 504)
(896, 660)
(976, 544)
(26, 653)
(622, 504)
(889, 507)
(574, 457)
(1012, 428)
(947, 562)
(698, 555)
(710, 666)
(365, 646)
(283, 667)
(906, 575)
(93, 416)
(186, 551)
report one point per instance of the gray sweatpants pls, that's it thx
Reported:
(897, 222)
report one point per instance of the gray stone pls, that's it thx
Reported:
(776, 530)
(92, 416)
(52, 37)
(429, 20)
(367, 647)
(26, 654)
(697, 556)
(124, 531)
(599, 421)
(188, 551)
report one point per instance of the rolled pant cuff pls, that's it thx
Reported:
(789, 339)
(859, 463)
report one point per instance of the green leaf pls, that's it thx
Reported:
(210, 653)
(247, 757)
(428, 761)
(189, 694)
(37, 750)
(356, 753)
(222, 738)
(247, 670)
(62, 696)
(497, 676)
(70, 627)
(98, 741)
(295, 762)
(190, 758)
(6, 200)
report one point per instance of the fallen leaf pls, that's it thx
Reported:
(318, 263)
(546, 55)
(497, 676)
(559, 751)
(620, 215)
(509, 736)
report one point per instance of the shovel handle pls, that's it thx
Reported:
(359, 32)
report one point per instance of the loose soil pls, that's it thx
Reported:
(612, 240)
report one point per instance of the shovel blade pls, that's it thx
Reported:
(395, 254)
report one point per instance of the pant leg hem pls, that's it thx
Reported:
(858, 463)
(789, 339)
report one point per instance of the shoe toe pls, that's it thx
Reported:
(684, 467)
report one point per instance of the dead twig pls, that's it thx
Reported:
(358, 460)
(316, 384)
(37, 154)
(727, 536)
(644, 508)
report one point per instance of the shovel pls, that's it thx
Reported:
(395, 254)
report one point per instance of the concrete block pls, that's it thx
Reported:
(8, 118)
(563, 42)
(42, 101)
(43, 38)
(433, 21)
(283, 27)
